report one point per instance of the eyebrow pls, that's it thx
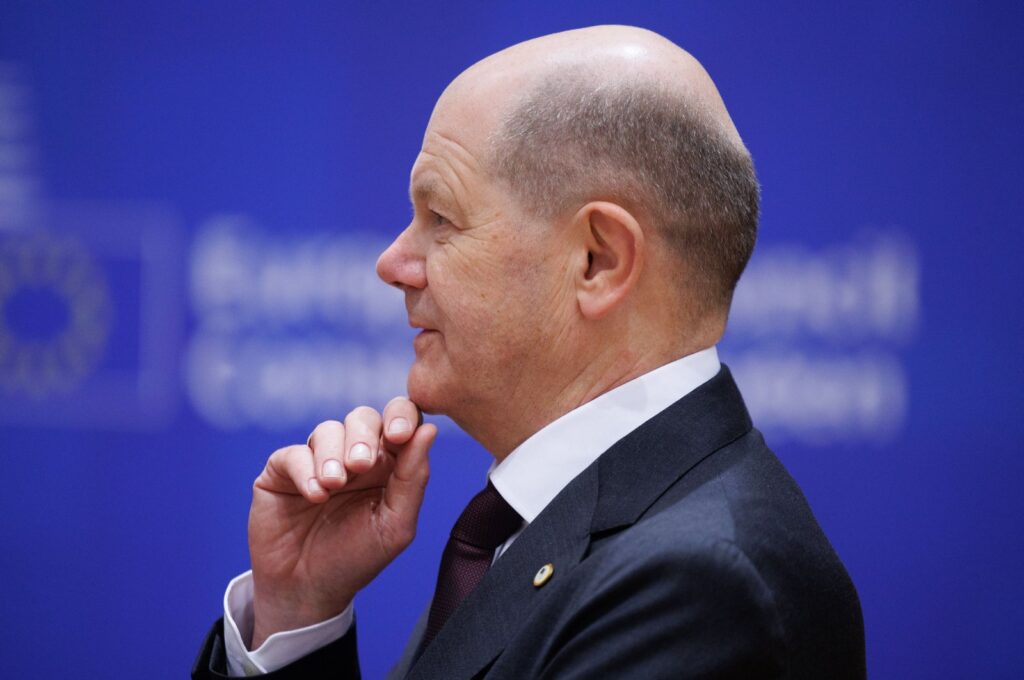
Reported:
(428, 189)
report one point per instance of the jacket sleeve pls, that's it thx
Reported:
(336, 661)
(698, 611)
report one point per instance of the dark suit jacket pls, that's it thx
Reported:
(685, 551)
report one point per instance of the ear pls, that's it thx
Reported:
(615, 249)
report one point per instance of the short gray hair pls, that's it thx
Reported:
(572, 140)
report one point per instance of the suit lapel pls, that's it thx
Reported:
(412, 645)
(485, 621)
(612, 493)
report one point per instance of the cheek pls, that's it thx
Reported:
(464, 279)
(497, 298)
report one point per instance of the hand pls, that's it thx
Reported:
(326, 520)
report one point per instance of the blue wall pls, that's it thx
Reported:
(191, 199)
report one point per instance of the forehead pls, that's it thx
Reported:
(453, 161)
(450, 166)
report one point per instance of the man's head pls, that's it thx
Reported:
(583, 207)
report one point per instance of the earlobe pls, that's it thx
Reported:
(615, 249)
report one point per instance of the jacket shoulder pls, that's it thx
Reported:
(736, 538)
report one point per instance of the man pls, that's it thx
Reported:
(583, 208)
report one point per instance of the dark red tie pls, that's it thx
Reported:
(486, 523)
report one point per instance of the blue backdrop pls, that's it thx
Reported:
(192, 196)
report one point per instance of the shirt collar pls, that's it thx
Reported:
(538, 469)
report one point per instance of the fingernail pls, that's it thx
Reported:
(314, 486)
(332, 468)
(398, 426)
(359, 452)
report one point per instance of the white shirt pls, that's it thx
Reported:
(529, 478)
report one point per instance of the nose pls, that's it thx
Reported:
(402, 264)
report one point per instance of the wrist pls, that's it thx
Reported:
(277, 613)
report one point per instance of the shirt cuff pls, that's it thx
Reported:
(278, 650)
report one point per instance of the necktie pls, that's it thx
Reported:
(486, 523)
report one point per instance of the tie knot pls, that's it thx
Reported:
(488, 520)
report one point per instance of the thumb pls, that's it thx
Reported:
(403, 494)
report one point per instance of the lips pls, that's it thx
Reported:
(420, 325)
(423, 327)
(423, 338)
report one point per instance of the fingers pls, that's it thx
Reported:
(340, 451)
(290, 470)
(362, 439)
(403, 494)
(401, 418)
(327, 443)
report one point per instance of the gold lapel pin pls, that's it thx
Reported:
(543, 575)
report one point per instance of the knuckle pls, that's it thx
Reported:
(398, 401)
(283, 454)
(362, 415)
(296, 450)
(292, 457)
(328, 428)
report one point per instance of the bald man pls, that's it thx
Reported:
(583, 209)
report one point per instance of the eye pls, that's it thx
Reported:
(439, 219)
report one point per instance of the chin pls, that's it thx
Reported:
(426, 391)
